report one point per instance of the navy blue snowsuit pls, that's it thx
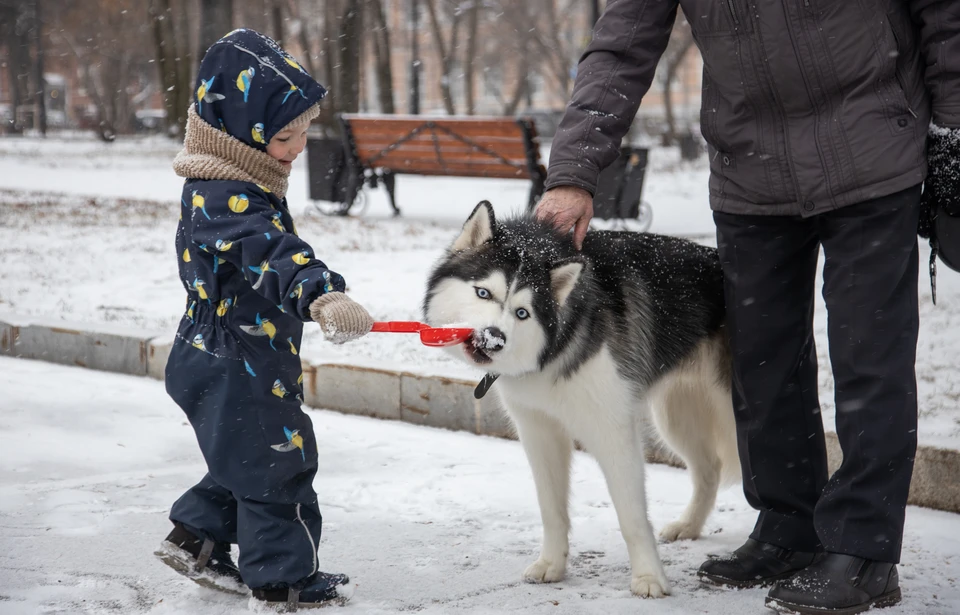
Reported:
(234, 368)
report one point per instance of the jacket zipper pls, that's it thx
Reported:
(733, 13)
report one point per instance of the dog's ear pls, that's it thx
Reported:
(564, 276)
(477, 229)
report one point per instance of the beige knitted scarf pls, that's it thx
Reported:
(210, 153)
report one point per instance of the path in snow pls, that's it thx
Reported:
(423, 520)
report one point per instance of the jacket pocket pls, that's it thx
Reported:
(893, 85)
(901, 54)
(709, 108)
(720, 18)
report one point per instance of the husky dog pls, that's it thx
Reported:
(587, 346)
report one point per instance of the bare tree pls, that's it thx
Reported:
(516, 39)
(331, 49)
(39, 97)
(328, 50)
(347, 95)
(469, 78)
(382, 56)
(253, 14)
(216, 20)
(445, 49)
(556, 53)
(522, 87)
(298, 29)
(15, 34)
(106, 41)
(275, 12)
(173, 58)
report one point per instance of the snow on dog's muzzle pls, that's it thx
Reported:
(490, 340)
(484, 343)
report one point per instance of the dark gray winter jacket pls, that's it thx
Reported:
(808, 105)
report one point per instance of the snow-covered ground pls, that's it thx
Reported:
(140, 168)
(86, 234)
(423, 520)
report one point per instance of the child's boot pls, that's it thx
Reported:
(321, 589)
(204, 561)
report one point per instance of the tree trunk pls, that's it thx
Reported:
(303, 39)
(173, 62)
(186, 27)
(40, 98)
(381, 42)
(415, 64)
(331, 51)
(18, 45)
(165, 53)
(122, 109)
(7, 18)
(522, 85)
(216, 20)
(556, 51)
(347, 100)
(105, 129)
(329, 55)
(445, 53)
(473, 18)
(276, 20)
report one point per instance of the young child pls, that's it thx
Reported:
(234, 368)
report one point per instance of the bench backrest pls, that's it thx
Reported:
(462, 146)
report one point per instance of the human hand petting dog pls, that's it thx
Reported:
(567, 207)
(340, 318)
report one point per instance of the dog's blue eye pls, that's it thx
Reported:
(522, 314)
(483, 293)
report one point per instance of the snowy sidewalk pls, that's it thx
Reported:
(421, 519)
(91, 241)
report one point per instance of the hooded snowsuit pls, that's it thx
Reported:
(234, 368)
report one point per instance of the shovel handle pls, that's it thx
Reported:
(398, 326)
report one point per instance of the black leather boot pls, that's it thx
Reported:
(755, 564)
(837, 585)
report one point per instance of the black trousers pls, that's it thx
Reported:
(870, 290)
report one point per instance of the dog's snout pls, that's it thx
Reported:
(491, 339)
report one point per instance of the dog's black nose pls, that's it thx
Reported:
(491, 339)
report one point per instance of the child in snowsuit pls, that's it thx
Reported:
(234, 368)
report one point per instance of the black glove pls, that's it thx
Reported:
(941, 190)
(941, 198)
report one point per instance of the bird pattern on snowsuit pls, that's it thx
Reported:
(241, 267)
(249, 279)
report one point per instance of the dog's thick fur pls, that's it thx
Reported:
(588, 346)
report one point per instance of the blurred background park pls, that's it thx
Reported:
(121, 67)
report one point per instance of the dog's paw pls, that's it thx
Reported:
(649, 586)
(679, 530)
(544, 571)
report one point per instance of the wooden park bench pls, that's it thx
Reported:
(380, 147)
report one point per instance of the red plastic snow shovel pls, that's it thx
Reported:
(429, 336)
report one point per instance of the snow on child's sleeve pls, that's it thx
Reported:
(250, 234)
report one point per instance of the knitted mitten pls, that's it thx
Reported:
(340, 318)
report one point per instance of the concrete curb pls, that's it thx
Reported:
(433, 401)
(108, 348)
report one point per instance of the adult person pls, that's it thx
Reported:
(818, 116)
